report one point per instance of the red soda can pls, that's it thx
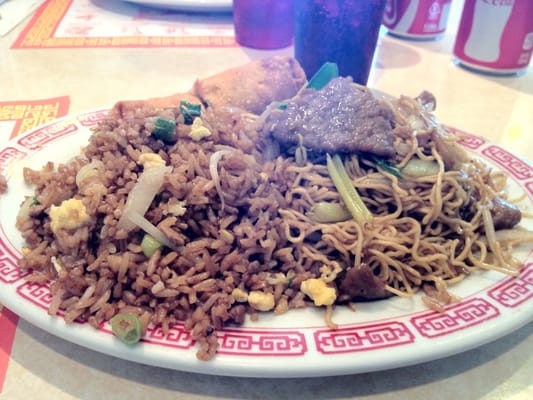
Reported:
(416, 19)
(495, 36)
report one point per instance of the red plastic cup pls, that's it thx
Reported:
(343, 32)
(263, 24)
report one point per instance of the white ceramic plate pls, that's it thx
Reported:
(188, 5)
(379, 335)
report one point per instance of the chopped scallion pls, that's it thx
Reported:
(164, 129)
(190, 111)
(344, 186)
(127, 327)
(150, 245)
(321, 78)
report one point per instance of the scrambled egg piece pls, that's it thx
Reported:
(239, 295)
(150, 160)
(261, 301)
(319, 291)
(71, 214)
(178, 208)
(198, 130)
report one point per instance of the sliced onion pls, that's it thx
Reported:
(515, 236)
(151, 229)
(213, 170)
(326, 212)
(416, 167)
(415, 122)
(490, 232)
(142, 195)
(89, 171)
(271, 150)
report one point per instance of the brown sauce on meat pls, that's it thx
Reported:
(339, 118)
(361, 283)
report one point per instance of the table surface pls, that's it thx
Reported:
(497, 108)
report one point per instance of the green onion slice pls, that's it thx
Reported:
(190, 111)
(321, 78)
(127, 327)
(150, 245)
(349, 195)
(164, 129)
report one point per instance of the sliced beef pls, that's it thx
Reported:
(504, 214)
(361, 283)
(337, 118)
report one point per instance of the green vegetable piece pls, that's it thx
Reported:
(387, 167)
(349, 195)
(150, 245)
(326, 212)
(190, 111)
(164, 129)
(321, 78)
(417, 168)
(127, 327)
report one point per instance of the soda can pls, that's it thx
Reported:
(416, 19)
(495, 36)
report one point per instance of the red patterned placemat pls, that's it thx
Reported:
(17, 117)
(99, 23)
(8, 326)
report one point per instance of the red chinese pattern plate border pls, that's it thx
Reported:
(379, 335)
